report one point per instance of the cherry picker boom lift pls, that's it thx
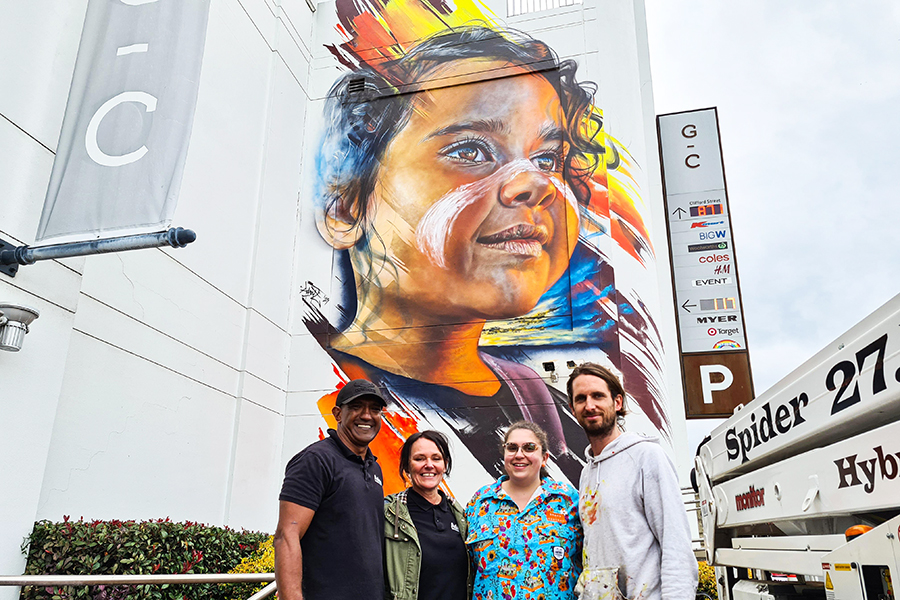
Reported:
(804, 481)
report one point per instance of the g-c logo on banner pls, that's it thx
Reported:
(90, 136)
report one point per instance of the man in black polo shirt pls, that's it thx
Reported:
(331, 507)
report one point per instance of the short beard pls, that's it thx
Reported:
(601, 430)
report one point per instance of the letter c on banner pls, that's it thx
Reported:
(687, 161)
(90, 136)
(706, 380)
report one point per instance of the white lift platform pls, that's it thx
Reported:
(783, 479)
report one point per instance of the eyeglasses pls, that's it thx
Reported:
(527, 447)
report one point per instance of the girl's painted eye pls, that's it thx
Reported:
(550, 162)
(469, 152)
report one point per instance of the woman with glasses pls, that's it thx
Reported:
(524, 531)
(425, 530)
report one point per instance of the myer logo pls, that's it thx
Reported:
(765, 428)
(718, 319)
(850, 469)
(750, 499)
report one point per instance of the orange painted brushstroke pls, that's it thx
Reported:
(625, 200)
(387, 448)
(374, 31)
(386, 31)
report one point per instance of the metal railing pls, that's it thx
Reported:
(184, 579)
(692, 505)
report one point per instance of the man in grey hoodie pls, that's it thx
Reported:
(636, 533)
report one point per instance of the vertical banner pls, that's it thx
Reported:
(711, 335)
(128, 120)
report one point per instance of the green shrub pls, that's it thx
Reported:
(129, 547)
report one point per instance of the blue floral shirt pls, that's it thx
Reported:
(533, 554)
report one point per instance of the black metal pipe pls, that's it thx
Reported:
(10, 258)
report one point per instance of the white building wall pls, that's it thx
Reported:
(163, 393)
(34, 76)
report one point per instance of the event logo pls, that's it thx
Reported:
(715, 258)
(706, 224)
(726, 344)
(707, 247)
(883, 464)
(763, 427)
(752, 499)
(712, 281)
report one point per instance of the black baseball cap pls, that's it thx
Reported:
(358, 388)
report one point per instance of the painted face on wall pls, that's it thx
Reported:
(470, 203)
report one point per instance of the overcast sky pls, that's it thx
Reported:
(808, 96)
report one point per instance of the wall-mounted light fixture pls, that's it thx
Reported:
(550, 367)
(14, 322)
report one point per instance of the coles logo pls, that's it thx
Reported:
(715, 258)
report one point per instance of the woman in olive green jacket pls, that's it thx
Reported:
(425, 555)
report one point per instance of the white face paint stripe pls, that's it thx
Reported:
(436, 225)
(569, 195)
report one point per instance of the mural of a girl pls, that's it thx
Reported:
(453, 183)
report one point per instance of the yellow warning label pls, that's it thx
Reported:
(841, 567)
(828, 584)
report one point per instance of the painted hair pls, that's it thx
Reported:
(439, 439)
(615, 386)
(366, 108)
(538, 432)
